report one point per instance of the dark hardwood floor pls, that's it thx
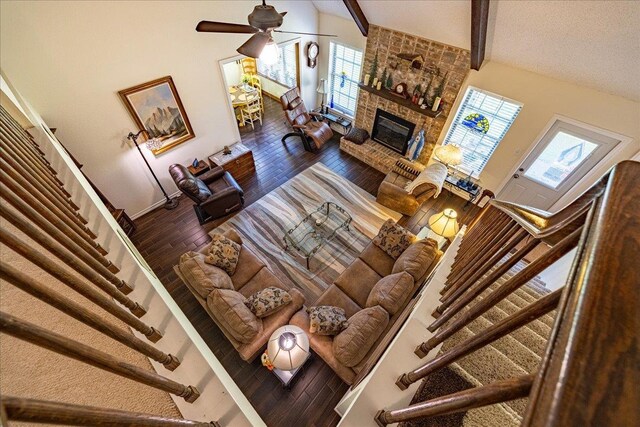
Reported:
(162, 236)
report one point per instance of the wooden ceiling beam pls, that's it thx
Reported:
(479, 22)
(358, 15)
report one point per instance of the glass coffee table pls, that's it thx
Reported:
(316, 229)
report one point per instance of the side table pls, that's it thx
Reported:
(200, 169)
(340, 121)
(239, 163)
(451, 183)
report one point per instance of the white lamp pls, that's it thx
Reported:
(450, 155)
(270, 53)
(322, 89)
(288, 348)
(444, 223)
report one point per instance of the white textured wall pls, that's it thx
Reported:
(71, 58)
(348, 34)
(542, 98)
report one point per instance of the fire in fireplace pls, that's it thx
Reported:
(392, 131)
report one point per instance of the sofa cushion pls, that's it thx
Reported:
(267, 301)
(249, 265)
(391, 292)
(417, 259)
(377, 259)
(263, 279)
(357, 280)
(326, 320)
(229, 309)
(201, 276)
(393, 238)
(233, 235)
(363, 330)
(335, 297)
(223, 253)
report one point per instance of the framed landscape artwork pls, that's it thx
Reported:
(156, 108)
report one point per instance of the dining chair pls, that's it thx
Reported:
(252, 111)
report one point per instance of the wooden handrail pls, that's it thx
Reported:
(590, 375)
(43, 411)
(67, 347)
(77, 311)
(499, 391)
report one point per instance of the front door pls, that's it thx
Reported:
(559, 160)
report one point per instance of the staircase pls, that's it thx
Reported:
(516, 354)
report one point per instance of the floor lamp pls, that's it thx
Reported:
(170, 203)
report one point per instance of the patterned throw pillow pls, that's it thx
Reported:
(223, 253)
(267, 301)
(326, 320)
(393, 239)
(357, 135)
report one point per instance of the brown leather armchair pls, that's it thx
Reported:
(307, 125)
(215, 192)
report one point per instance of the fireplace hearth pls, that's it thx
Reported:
(392, 131)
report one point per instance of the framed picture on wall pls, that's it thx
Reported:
(156, 108)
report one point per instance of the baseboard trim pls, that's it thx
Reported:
(154, 206)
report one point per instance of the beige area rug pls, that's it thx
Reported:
(263, 224)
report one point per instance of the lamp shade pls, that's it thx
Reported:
(449, 154)
(322, 86)
(444, 223)
(270, 54)
(288, 348)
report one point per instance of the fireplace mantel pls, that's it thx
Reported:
(386, 94)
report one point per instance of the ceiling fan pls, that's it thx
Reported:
(262, 21)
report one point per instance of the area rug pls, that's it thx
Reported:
(263, 224)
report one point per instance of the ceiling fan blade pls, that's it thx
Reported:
(283, 13)
(224, 27)
(254, 46)
(306, 34)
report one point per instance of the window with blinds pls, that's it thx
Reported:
(285, 70)
(481, 122)
(345, 64)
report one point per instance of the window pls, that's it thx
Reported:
(345, 64)
(285, 71)
(478, 127)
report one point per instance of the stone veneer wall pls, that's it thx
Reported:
(388, 43)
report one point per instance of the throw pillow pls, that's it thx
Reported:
(326, 320)
(391, 292)
(407, 168)
(203, 277)
(224, 253)
(267, 301)
(357, 135)
(229, 309)
(363, 330)
(417, 259)
(393, 239)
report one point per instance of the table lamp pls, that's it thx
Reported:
(322, 89)
(450, 155)
(288, 348)
(444, 223)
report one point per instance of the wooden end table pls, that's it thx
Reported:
(239, 163)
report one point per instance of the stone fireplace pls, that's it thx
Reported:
(392, 131)
(445, 68)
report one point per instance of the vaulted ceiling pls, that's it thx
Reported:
(590, 43)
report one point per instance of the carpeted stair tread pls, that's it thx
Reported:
(522, 355)
(537, 325)
(440, 383)
(508, 411)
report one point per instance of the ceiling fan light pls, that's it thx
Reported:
(270, 54)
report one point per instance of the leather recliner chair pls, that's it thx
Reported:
(307, 125)
(216, 193)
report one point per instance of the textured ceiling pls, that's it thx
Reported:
(590, 43)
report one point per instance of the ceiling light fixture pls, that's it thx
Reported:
(270, 53)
